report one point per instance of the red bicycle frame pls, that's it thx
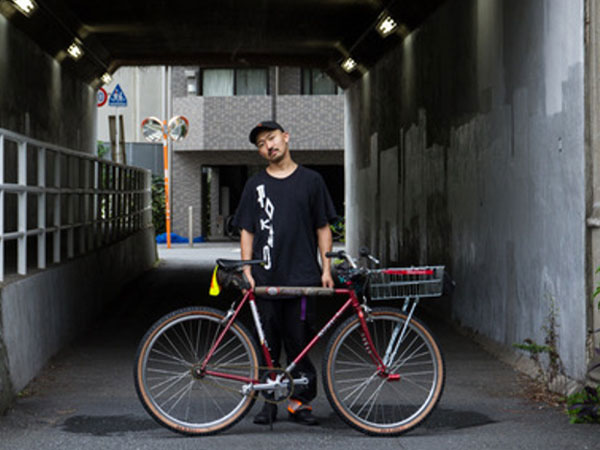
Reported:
(249, 297)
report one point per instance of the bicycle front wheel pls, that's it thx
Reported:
(378, 405)
(168, 380)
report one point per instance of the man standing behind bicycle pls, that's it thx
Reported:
(284, 217)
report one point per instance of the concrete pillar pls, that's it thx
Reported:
(592, 136)
(216, 219)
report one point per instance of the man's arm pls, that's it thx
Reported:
(246, 241)
(325, 242)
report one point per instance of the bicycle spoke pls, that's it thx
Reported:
(185, 341)
(426, 388)
(168, 356)
(197, 343)
(349, 380)
(402, 393)
(216, 404)
(371, 399)
(400, 363)
(174, 347)
(174, 380)
(226, 355)
(362, 355)
(359, 389)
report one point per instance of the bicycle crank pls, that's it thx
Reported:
(277, 385)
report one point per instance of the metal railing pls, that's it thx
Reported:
(70, 202)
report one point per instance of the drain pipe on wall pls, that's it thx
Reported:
(274, 95)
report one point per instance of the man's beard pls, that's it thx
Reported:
(278, 155)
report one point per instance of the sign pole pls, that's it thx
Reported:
(166, 168)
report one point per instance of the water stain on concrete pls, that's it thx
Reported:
(107, 425)
(450, 419)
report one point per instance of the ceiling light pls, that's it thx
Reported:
(106, 78)
(386, 25)
(27, 7)
(349, 65)
(75, 51)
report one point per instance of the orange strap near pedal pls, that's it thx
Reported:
(296, 405)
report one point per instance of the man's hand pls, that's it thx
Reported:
(249, 277)
(246, 240)
(327, 280)
(325, 243)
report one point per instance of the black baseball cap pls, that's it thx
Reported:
(262, 126)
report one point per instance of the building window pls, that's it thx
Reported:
(227, 82)
(251, 82)
(217, 82)
(317, 82)
(191, 82)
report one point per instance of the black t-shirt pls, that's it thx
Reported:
(284, 214)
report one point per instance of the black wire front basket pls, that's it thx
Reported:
(406, 282)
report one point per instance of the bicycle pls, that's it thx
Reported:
(197, 369)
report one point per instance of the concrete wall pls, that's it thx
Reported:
(39, 98)
(465, 147)
(41, 312)
(44, 311)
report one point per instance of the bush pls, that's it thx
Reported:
(584, 406)
(158, 205)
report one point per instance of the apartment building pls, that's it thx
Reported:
(210, 167)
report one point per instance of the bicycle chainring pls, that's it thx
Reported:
(280, 392)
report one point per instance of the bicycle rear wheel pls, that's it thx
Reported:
(373, 404)
(167, 377)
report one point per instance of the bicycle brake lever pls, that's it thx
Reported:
(365, 253)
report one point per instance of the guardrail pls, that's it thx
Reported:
(68, 201)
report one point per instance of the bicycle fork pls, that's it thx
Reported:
(398, 333)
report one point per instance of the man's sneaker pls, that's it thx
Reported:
(267, 415)
(304, 417)
(301, 413)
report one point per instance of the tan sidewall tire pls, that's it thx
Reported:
(141, 389)
(353, 421)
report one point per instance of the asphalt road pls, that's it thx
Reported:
(85, 398)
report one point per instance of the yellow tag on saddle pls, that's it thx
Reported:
(215, 289)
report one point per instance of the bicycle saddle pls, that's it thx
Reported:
(232, 264)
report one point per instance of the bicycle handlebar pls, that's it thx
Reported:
(363, 253)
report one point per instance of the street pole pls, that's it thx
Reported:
(154, 130)
(166, 168)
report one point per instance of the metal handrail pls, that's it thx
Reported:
(102, 204)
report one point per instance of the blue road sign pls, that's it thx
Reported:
(117, 98)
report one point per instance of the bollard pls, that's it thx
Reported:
(190, 226)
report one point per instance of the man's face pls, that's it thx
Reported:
(272, 144)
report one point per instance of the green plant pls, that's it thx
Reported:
(554, 366)
(102, 149)
(584, 406)
(338, 230)
(158, 204)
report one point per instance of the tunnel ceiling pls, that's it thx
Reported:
(223, 33)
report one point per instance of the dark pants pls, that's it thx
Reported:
(287, 321)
